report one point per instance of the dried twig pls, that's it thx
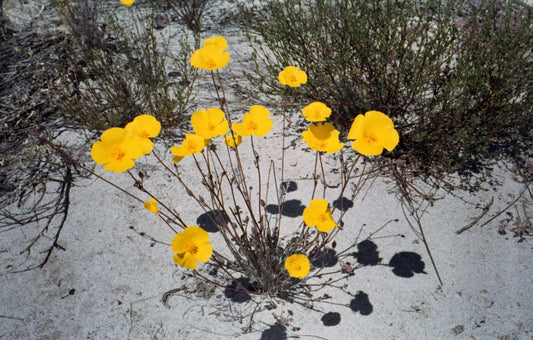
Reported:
(476, 220)
(494, 216)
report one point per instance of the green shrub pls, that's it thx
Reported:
(116, 70)
(455, 76)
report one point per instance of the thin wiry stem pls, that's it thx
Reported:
(407, 201)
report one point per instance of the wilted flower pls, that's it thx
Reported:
(151, 205)
(318, 214)
(192, 144)
(117, 150)
(210, 123)
(144, 127)
(292, 76)
(127, 3)
(298, 265)
(255, 122)
(322, 137)
(190, 246)
(373, 132)
(316, 112)
(212, 55)
(233, 141)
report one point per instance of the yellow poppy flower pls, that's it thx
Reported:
(144, 127)
(373, 132)
(292, 76)
(116, 150)
(151, 205)
(191, 144)
(210, 58)
(127, 3)
(233, 142)
(219, 42)
(190, 246)
(210, 123)
(298, 265)
(318, 214)
(255, 122)
(322, 137)
(316, 112)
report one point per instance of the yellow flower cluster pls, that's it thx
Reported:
(371, 132)
(118, 147)
(212, 56)
(211, 123)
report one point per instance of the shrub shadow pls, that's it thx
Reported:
(212, 221)
(290, 208)
(238, 290)
(406, 264)
(326, 258)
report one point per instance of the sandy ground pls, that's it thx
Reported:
(109, 280)
(109, 277)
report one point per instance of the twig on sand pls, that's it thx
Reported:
(168, 294)
(476, 220)
(493, 217)
(157, 332)
(11, 317)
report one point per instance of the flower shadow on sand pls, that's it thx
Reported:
(343, 203)
(275, 332)
(331, 319)
(288, 186)
(290, 208)
(367, 254)
(211, 221)
(406, 264)
(361, 304)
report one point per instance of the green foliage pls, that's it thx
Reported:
(455, 76)
(117, 69)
